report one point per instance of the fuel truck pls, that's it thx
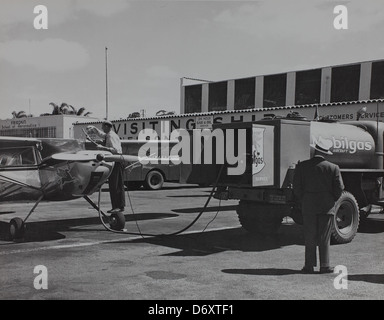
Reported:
(273, 148)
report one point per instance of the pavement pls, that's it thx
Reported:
(215, 259)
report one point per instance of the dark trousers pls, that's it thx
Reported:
(317, 232)
(116, 186)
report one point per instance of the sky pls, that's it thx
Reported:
(152, 44)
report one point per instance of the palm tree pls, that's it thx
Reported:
(134, 115)
(72, 110)
(80, 111)
(20, 114)
(66, 108)
(56, 109)
(164, 113)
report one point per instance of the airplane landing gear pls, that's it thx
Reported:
(117, 221)
(17, 225)
(16, 229)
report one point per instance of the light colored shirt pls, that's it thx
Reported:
(111, 141)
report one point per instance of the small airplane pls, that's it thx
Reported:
(34, 169)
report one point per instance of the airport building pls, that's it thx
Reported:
(340, 91)
(340, 83)
(51, 126)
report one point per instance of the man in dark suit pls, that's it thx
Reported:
(318, 185)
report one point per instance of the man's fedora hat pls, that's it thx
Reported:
(323, 146)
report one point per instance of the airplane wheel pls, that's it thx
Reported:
(117, 221)
(16, 228)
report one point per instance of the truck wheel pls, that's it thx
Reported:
(259, 218)
(154, 180)
(346, 219)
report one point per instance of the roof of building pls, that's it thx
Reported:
(244, 111)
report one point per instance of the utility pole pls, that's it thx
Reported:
(106, 83)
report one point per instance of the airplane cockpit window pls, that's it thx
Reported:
(14, 157)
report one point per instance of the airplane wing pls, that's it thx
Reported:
(7, 142)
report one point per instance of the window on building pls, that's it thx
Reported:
(192, 96)
(377, 80)
(217, 96)
(47, 132)
(275, 88)
(345, 83)
(245, 93)
(308, 87)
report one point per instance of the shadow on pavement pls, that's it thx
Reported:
(6, 212)
(208, 209)
(371, 225)
(50, 230)
(191, 196)
(371, 278)
(237, 239)
(164, 188)
(263, 272)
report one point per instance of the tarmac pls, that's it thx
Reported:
(216, 259)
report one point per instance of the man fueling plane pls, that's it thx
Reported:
(112, 143)
(53, 170)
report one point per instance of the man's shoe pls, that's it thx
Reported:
(326, 270)
(116, 210)
(308, 270)
(121, 210)
(112, 210)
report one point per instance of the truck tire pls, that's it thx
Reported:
(154, 180)
(346, 219)
(257, 218)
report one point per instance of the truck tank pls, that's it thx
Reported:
(352, 146)
(266, 196)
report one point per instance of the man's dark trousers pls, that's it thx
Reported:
(317, 231)
(116, 186)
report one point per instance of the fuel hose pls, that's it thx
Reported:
(160, 234)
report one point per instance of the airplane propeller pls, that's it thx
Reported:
(117, 158)
(86, 156)
(73, 157)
